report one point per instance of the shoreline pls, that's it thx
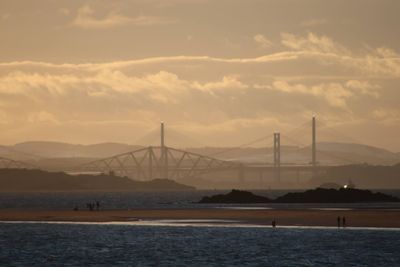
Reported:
(161, 223)
(283, 217)
(205, 223)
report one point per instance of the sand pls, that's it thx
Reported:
(354, 218)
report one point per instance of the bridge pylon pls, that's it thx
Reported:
(277, 156)
(314, 142)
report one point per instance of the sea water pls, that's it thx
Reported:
(124, 244)
(156, 200)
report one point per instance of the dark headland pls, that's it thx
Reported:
(236, 196)
(23, 180)
(318, 195)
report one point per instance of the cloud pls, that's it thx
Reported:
(313, 22)
(152, 20)
(323, 56)
(324, 53)
(227, 83)
(313, 43)
(363, 87)
(85, 19)
(336, 94)
(231, 95)
(388, 116)
(262, 41)
(103, 102)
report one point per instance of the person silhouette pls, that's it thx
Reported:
(344, 221)
(273, 224)
(338, 221)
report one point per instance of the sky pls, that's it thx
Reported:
(221, 72)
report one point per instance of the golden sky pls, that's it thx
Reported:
(223, 72)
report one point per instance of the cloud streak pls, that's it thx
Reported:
(381, 62)
(86, 19)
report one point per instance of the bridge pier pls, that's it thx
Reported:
(314, 145)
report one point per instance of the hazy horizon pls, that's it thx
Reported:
(217, 73)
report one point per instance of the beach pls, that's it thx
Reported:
(307, 217)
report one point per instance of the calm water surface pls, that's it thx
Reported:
(39, 244)
(146, 200)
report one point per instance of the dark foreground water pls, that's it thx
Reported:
(36, 244)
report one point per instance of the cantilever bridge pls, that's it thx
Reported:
(6, 163)
(159, 162)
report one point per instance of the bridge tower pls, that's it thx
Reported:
(277, 155)
(314, 142)
(164, 154)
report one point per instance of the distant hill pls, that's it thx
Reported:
(328, 153)
(362, 175)
(65, 150)
(358, 153)
(12, 153)
(22, 180)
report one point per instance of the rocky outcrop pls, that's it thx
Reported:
(349, 195)
(319, 195)
(236, 196)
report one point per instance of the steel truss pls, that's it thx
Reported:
(158, 162)
(6, 163)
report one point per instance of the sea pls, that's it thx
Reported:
(185, 243)
(159, 200)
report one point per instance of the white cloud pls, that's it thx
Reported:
(363, 87)
(51, 102)
(379, 63)
(262, 41)
(85, 19)
(227, 83)
(313, 43)
(336, 94)
(325, 54)
(233, 94)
